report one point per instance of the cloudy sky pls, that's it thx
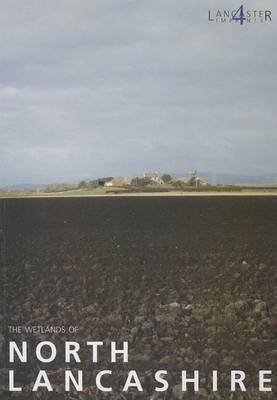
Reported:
(118, 87)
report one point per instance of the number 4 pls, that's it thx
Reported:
(239, 15)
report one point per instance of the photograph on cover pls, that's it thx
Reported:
(138, 200)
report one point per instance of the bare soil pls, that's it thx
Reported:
(189, 282)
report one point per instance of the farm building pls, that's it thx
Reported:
(154, 177)
(115, 182)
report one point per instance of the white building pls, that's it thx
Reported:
(154, 177)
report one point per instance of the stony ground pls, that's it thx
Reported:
(190, 283)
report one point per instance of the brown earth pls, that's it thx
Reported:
(190, 283)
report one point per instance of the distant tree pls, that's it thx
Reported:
(135, 181)
(82, 185)
(166, 178)
(93, 184)
(141, 181)
(102, 181)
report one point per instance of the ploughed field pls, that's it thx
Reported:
(190, 283)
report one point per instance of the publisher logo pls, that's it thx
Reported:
(241, 16)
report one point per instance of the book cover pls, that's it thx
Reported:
(138, 208)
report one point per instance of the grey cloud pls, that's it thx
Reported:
(91, 88)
